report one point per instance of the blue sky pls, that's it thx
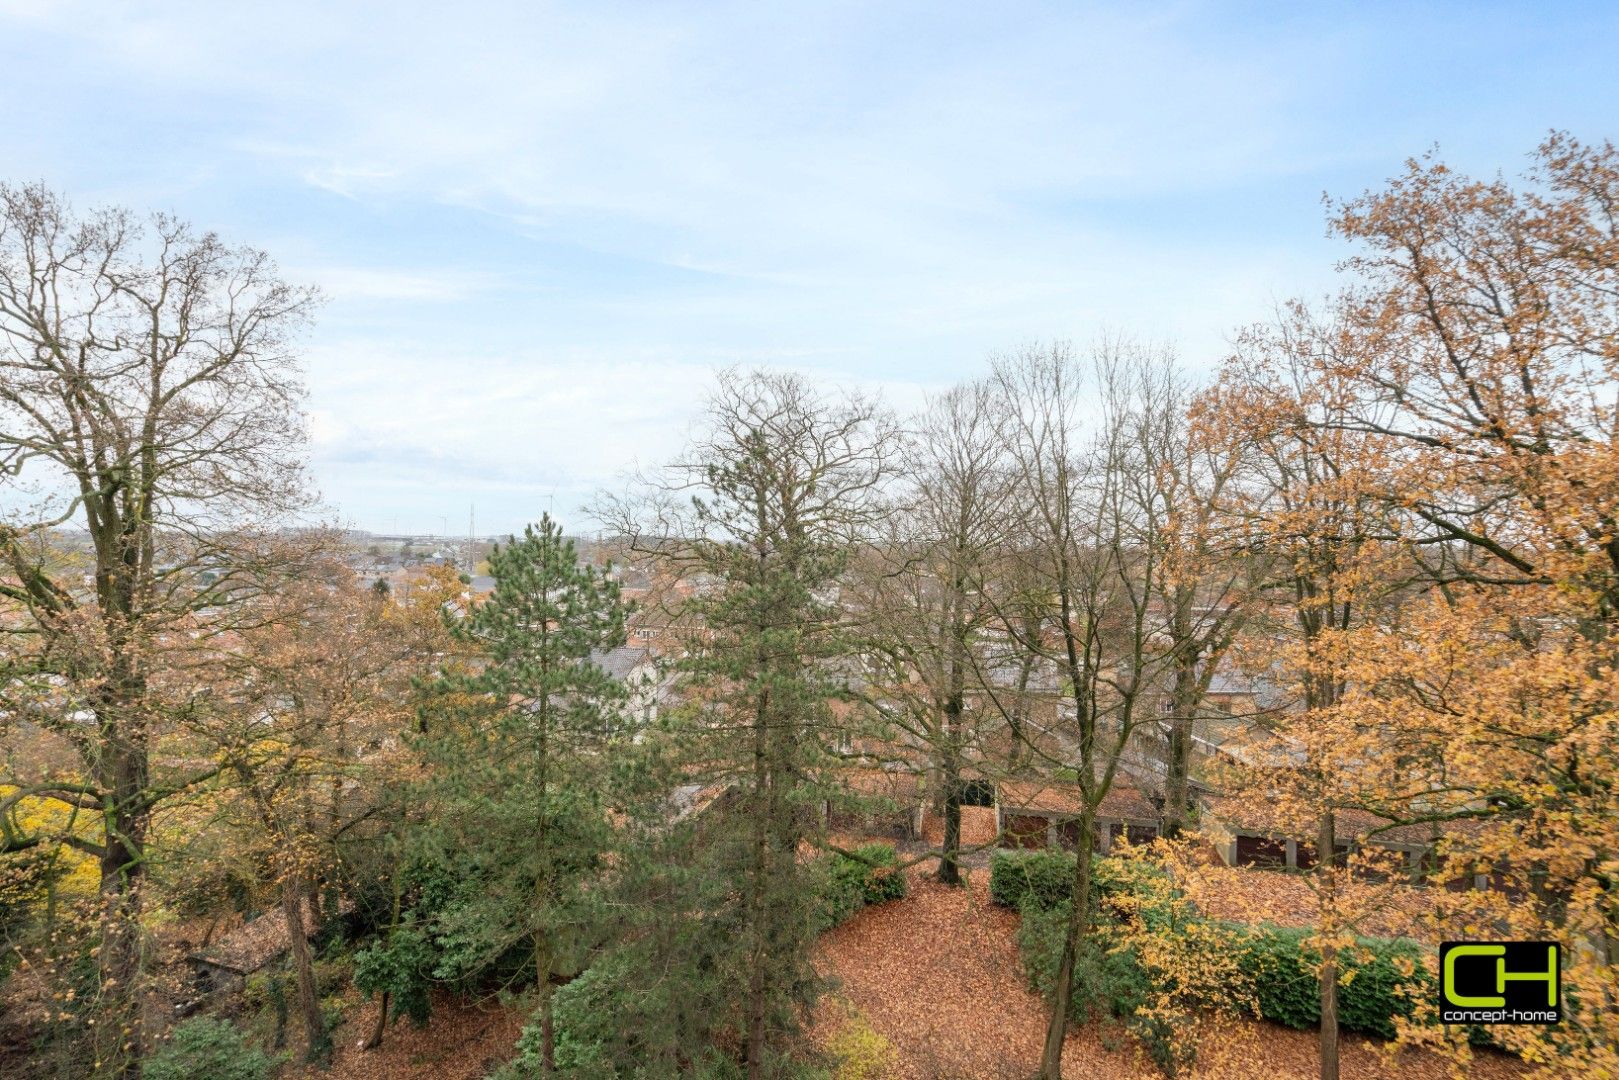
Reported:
(541, 226)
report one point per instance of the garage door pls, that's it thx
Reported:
(1261, 851)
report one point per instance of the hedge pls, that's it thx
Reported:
(868, 875)
(1107, 981)
(1372, 992)
(1044, 879)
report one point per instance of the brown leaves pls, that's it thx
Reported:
(463, 1041)
(938, 975)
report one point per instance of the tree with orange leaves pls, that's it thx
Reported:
(1300, 503)
(310, 709)
(1469, 375)
(1486, 315)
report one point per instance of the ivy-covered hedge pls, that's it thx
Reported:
(869, 875)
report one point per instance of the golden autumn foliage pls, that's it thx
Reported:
(1435, 459)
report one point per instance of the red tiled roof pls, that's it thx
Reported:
(900, 786)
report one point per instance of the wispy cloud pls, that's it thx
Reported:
(541, 225)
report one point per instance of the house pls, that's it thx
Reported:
(1246, 832)
(637, 669)
(251, 947)
(880, 802)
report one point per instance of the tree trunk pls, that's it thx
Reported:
(123, 873)
(950, 854)
(318, 1042)
(1185, 698)
(1326, 842)
(374, 1040)
(118, 1028)
(542, 972)
(1177, 780)
(1079, 926)
(758, 983)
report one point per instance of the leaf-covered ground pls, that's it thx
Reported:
(462, 1042)
(937, 973)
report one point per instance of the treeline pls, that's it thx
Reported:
(1394, 509)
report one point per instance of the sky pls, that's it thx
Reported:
(541, 227)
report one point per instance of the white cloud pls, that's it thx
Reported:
(878, 191)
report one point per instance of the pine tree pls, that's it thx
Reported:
(781, 486)
(518, 751)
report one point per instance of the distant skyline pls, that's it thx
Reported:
(542, 226)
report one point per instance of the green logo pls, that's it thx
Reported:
(1503, 982)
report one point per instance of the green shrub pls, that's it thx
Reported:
(1371, 990)
(207, 1049)
(598, 1035)
(332, 975)
(1107, 981)
(861, 1052)
(1031, 879)
(402, 966)
(850, 882)
(1045, 879)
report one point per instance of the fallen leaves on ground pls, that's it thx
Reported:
(463, 1041)
(1286, 899)
(938, 975)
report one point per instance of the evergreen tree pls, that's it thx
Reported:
(518, 755)
(782, 485)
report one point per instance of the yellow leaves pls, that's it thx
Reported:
(861, 1052)
(76, 873)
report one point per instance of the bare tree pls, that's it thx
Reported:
(148, 395)
(1208, 584)
(921, 595)
(1091, 538)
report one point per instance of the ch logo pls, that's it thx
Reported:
(1508, 982)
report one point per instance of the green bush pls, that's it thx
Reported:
(1371, 990)
(401, 966)
(860, 1051)
(1045, 879)
(207, 1049)
(850, 882)
(1031, 879)
(1107, 981)
(596, 1032)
